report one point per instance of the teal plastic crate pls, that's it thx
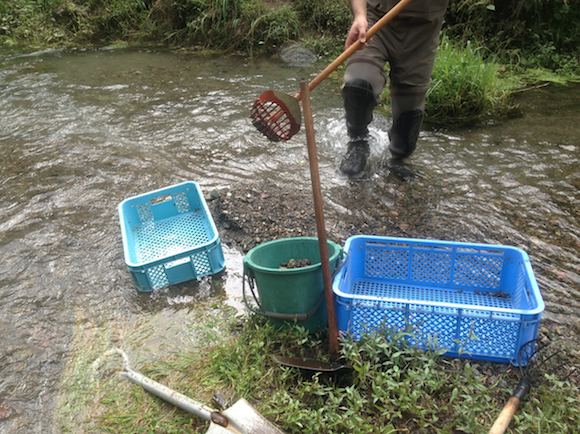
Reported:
(477, 301)
(169, 237)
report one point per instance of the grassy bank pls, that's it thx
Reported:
(469, 82)
(528, 34)
(393, 388)
(468, 85)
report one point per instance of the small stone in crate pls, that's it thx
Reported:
(293, 263)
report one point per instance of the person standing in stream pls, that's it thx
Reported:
(409, 43)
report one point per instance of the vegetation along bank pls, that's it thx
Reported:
(489, 49)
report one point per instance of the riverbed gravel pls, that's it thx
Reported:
(248, 215)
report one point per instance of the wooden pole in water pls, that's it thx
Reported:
(319, 214)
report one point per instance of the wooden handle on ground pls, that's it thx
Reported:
(505, 417)
(319, 214)
(354, 47)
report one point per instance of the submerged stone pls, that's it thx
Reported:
(297, 55)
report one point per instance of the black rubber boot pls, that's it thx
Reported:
(404, 133)
(355, 160)
(359, 102)
(401, 170)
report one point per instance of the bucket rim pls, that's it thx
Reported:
(248, 262)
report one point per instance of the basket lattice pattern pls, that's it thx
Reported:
(478, 271)
(405, 293)
(160, 239)
(156, 240)
(474, 300)
(488, 336)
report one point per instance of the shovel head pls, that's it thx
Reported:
(248, 421)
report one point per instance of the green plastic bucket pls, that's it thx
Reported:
(293, 294)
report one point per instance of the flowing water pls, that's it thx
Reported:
(82, 130)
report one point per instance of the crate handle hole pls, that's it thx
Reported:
(375, 243)
(442, 248)
(160, 199)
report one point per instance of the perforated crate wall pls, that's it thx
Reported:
(169, 237)
(474, 300)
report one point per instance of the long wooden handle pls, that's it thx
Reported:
(354, 47)
(319, 214)
(505, 417)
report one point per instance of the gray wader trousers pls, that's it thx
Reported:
(409, 43)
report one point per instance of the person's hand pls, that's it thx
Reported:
(358, 31)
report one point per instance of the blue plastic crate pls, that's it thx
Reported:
(477, 301)
(169, 237)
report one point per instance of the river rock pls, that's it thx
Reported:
(6, 411)
(297, 55)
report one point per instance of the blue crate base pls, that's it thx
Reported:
(476, 301)
(169, 237)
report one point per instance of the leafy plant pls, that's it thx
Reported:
(465, 85)
(240, 25)
(332, 16)
(393, 388)
(325, 24)
(541, 32)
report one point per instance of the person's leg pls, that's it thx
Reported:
(364, 82)
(412, 40)
(408, 111)
(409, 43)
(359, 101)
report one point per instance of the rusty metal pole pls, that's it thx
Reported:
(319, 214)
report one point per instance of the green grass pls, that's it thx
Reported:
(232, 25)
(229, 25)
(393, 387)
(466, 85)
(80, 386)
(536, 34)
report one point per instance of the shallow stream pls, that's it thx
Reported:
(82, 130)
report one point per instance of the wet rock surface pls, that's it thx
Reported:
(297, 55)
(6, 411)
(249, 215)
